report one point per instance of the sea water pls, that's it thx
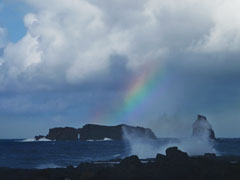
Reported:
(53, 154)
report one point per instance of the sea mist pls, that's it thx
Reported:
(148, 148)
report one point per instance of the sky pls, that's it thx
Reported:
(151, 63)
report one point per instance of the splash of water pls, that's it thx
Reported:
(148, 148)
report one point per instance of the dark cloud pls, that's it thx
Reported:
(72, 65)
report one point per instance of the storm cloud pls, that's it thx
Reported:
(78, 57)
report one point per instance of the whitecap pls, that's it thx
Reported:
(105, 139)
(48, 165)
(34, 140)
(44, 139)
(29, 140)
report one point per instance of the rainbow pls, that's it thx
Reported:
(141, 89)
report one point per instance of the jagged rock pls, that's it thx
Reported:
(63, 134)
(160, 157)
(98, 132)
(174, 153)
(202, 128)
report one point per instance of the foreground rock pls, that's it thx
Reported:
(202, 128)
(97, 132)
(175, 165)
(174, 154)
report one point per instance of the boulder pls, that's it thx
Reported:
(174, 153)
(160, 157)
(202, 128)
(130, 161)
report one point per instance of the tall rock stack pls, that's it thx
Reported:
(202, 128)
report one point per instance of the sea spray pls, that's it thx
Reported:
(142, 146)
(148, 148)
(48, 165)
(34, 140)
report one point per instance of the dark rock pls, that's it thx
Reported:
(70, 167)
(202, 128)
(210, 155)
(197, 168)
(174, 153)
(63, 134)
(39, 137)
(160, 157)
(130, 161)
(98, 132)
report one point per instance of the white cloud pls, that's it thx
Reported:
(224, 36)
(72, 40)
(3, 37)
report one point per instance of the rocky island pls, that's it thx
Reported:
(96, 132)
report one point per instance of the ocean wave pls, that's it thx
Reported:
(34, 140)
(48, 165)
(105, 139)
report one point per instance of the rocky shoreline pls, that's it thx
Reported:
(174, 165)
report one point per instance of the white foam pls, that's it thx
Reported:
(147, 148)
(116, 155)
(34, 140)
(29, 140)
(48, 165)
(105, 139)
(44, 139)
(90, 140)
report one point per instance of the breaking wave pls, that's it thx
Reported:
(34, 140)
(105, 139)
(48, 165)
(148, 148)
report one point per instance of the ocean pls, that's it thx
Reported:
(52, 154)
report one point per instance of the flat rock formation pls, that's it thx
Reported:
(63, 134)
(175, 165)
(97, 132)
(202, 128)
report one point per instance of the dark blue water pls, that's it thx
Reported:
(18, 154)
